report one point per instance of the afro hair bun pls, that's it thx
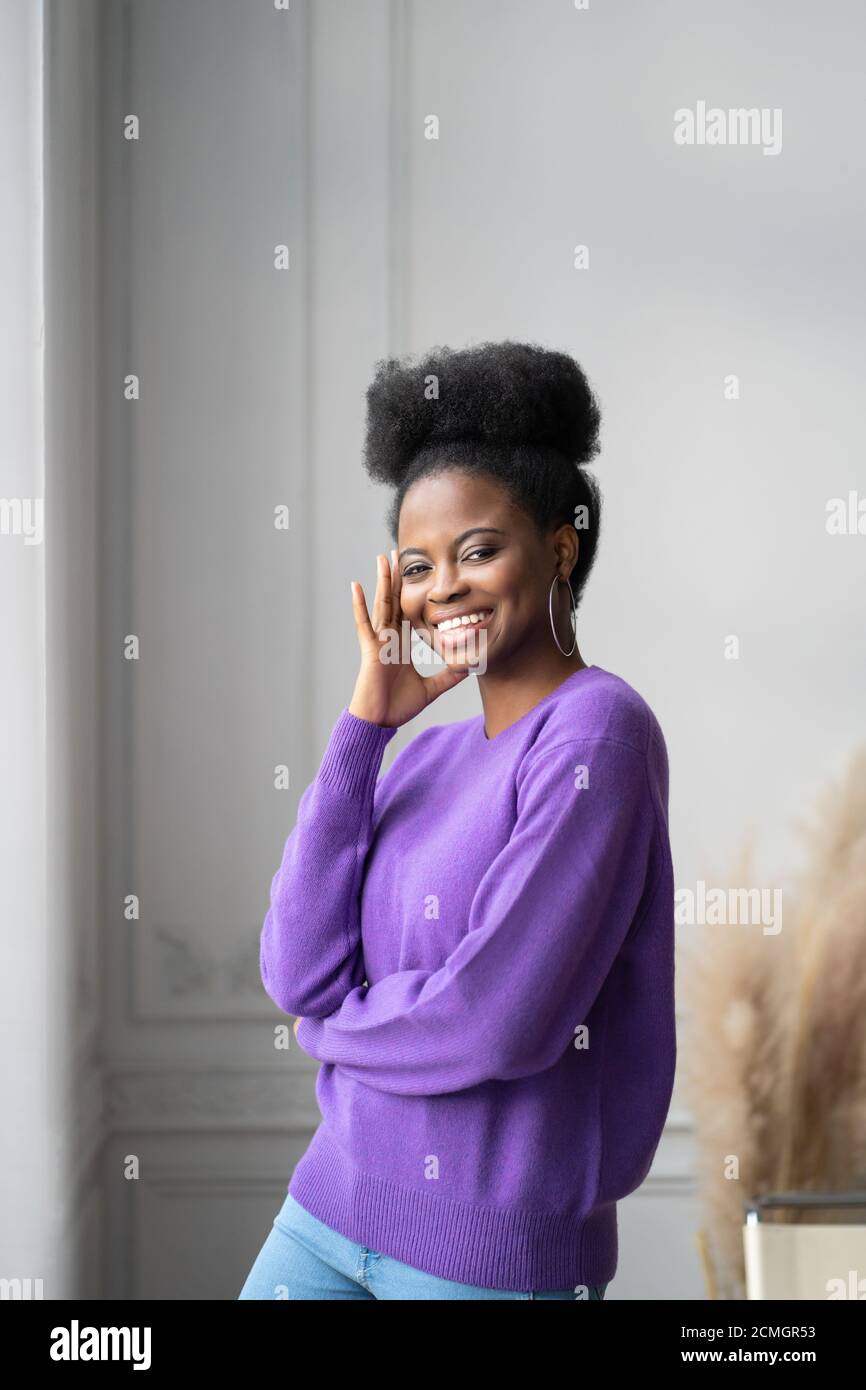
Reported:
(504, 393)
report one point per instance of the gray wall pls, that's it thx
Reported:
(27, 1094)
(261, 127)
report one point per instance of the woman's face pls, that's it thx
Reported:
(464, 547)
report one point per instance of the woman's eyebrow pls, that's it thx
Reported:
(414, 550)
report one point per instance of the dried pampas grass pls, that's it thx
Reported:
(773, 1051)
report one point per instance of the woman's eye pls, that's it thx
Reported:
(484, 551)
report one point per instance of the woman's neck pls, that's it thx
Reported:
(510, 692)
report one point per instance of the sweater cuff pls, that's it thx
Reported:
(354, 755)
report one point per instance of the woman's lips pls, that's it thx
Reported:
(454, 635)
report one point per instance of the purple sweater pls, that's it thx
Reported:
(481, 945)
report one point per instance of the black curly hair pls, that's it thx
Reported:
(523, 414)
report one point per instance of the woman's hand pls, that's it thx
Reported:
(390, 692)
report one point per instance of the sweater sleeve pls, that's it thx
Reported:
(310, 954)
(545, 925)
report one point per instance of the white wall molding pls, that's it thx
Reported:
(226, 1098)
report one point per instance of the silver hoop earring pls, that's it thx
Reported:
(573, 616)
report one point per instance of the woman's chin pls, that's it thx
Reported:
(460, 653)
(464, 657)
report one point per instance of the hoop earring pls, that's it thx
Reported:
(573, 614)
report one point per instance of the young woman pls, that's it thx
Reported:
(479, 944)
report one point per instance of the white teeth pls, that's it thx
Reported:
(465, 621)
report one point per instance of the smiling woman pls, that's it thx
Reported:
(514, 414)
(485, 450)
(480, 942)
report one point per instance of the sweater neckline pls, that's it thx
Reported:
(545, 699)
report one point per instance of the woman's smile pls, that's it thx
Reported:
(451, 629)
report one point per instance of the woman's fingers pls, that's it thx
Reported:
(371, 626)
(376, 614)
(396, 587)
(363, 626)
(383, 606)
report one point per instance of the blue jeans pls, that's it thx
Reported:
(302, 1258)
